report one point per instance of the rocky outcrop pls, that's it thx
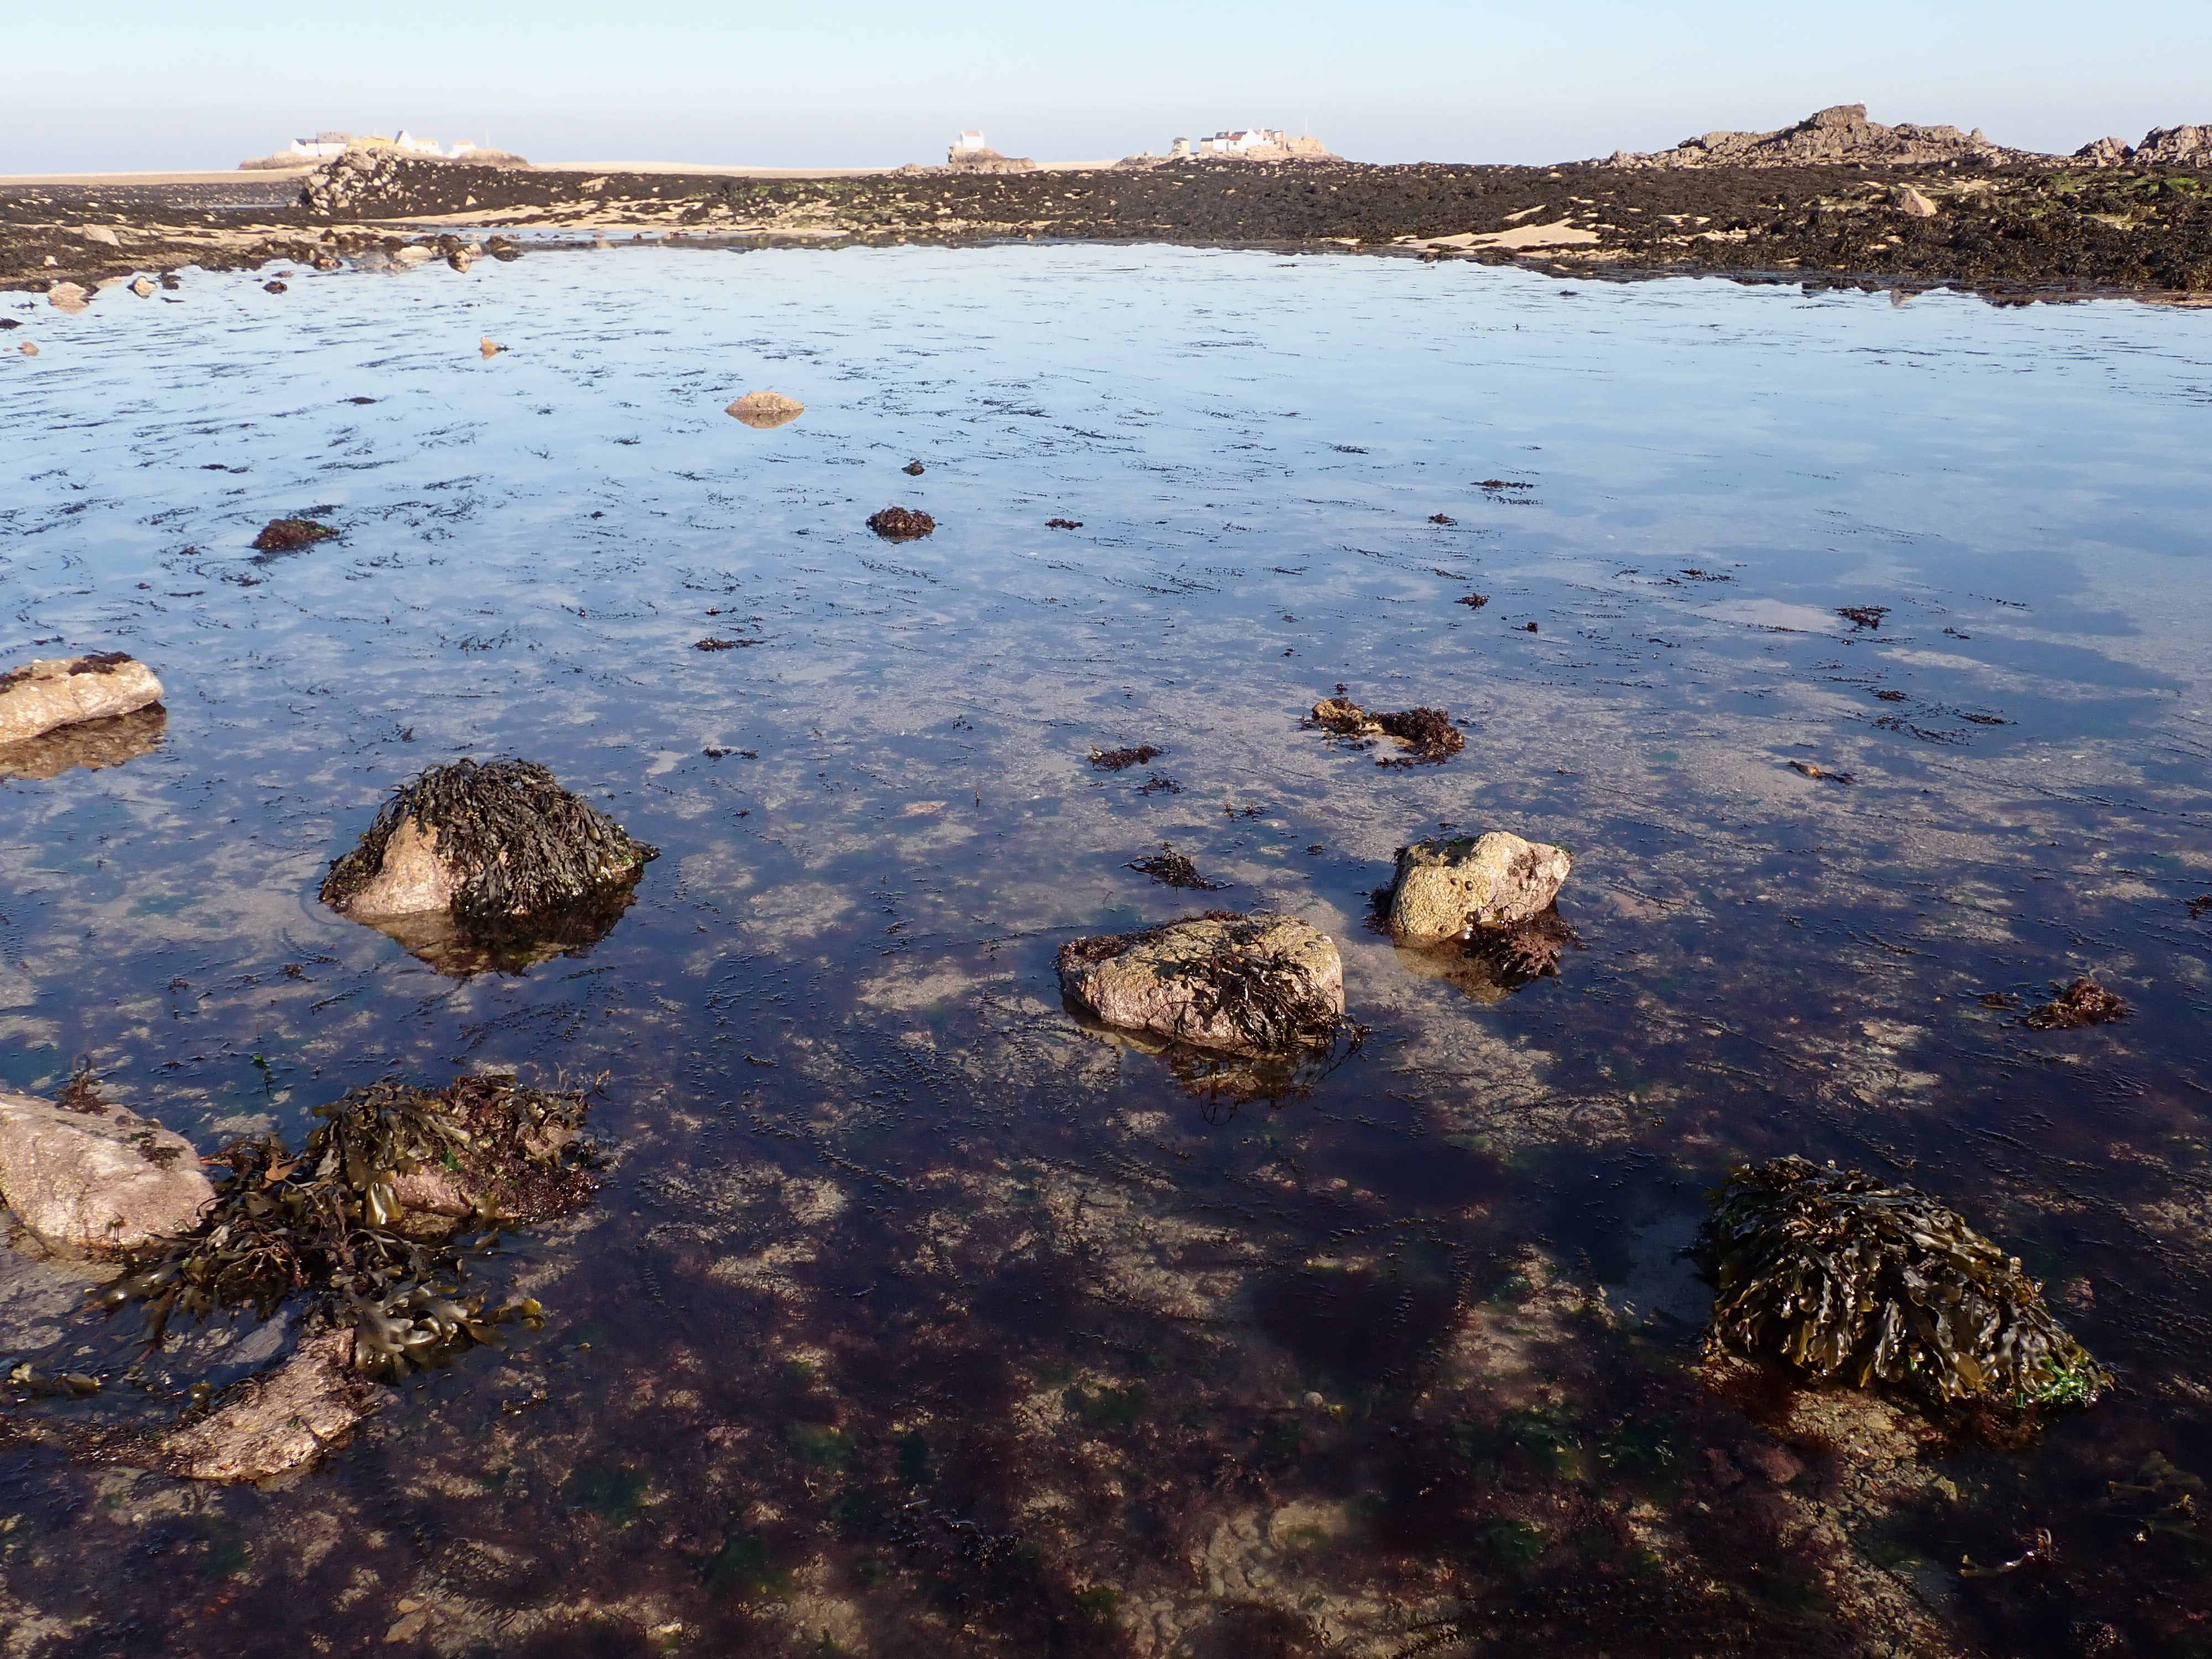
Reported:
(58, 691)
(1453, 889)
(1840, 134)
(280, 1422)
(2162, 147)
(1254, 984)
(93, 1180)
(358, 179)
(766, 411)
(501, 849)
(985, 161)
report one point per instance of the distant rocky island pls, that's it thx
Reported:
(1835, 199)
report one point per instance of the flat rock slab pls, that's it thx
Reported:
(1185, 980)
(1446, 889)
(97, 1184)
(280, 1422)
(54, 692)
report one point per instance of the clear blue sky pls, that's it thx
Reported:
(129, 84)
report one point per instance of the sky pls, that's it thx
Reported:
(129, 85)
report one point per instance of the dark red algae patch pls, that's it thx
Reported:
(291, 535)
(1175, 870)
(1862, 616)
(1120, 760)
(900, 524)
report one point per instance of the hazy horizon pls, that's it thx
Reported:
(863, 83)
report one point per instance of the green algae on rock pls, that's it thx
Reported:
(500, 847)
(1848, 1280)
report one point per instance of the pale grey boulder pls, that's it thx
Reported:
(97, 1183)
(1450, 889)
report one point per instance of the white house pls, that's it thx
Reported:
(322, 146)
(1243, 143)
(969, 142)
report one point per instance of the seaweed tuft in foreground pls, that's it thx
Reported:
(1851, 1280)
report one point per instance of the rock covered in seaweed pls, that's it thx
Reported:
(901, 524)
(1255, 984)
(1451, 889)
(501, 849)
(93, 1180)
(56, 692)
(1430, 736)
(1846, 1279)
(2084, 1002)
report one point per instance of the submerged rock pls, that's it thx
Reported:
(55, 691)
(1246, 984)
(1427, 732)
(900, 524)
(1453, 889)
(766, 411)
(499, 851)
(92, 1179)
(1848, 1280)
(275, 1423)
(1489, 965)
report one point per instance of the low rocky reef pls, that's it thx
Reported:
(479, 866)
(366, 1233)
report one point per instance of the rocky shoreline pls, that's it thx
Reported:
(1836, 200)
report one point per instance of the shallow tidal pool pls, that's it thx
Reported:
(911, 1317)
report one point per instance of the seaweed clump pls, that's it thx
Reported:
(523, 847)
(364, 1218)
(900, 524)
(291, 535)
(2084, 1002)
(1846, 1279)
(1428, 732)
(1175, 870)
(1120, 760)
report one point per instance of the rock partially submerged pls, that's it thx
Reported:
(291, 535)
(93, 1180)
(274, 1423)
(55, 691)
(1490, 966)
(901, 524)
(2084, 1002)
(1848, 1279)
(500, 853)
(766, 409)
(1256, 984)
(1428, 733)
(1456, 888)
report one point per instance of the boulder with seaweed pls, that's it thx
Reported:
(1256, 984)
(1846, 1279)
(496, 864)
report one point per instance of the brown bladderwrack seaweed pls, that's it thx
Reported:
(2084, 1002)
(900, 524)
(1120, 760)
(1175, 870)
(1847, 1279)
(291, 535)
(1428, 732)
(524, 849)
(362, 1216)
(1245, 983)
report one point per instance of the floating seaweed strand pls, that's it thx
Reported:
(523, 845)
(1843, 1277)
(330, 1222)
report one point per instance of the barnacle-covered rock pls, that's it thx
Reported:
(1846, 1279)
(1256, 984)
(93, 1180)
(1451, 889)
(498, 856)
(56, 692)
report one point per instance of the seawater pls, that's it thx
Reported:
(912, 1318)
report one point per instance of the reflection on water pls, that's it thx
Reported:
(89, 743)
(911, 1316)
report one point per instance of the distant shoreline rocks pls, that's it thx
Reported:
(1838, 135)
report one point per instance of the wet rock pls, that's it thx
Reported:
(2084, 1002)
(913, 469)
(510, 860)
(900, 524)
(97, 1182)
(1451, 889)
(58, 691)
(67, 297)
(1847, 1279)
(92, 744)
(765, 410)
(28, 349)
(1913, 205)
(283, 1421)
(291, 535)
(1427, 732)
(1245, 984)
(274, 287)
(488, 347)
(143, 287)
